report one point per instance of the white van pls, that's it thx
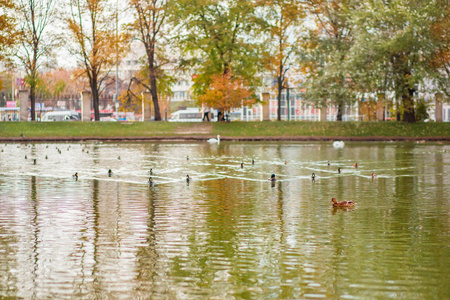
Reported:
(61, 116)
(187, 115)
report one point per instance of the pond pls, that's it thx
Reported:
(228, 233)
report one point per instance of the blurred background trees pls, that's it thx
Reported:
(346, 50)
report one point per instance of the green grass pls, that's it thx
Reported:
(333, 129)
(233, 129)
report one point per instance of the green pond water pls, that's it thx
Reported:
(229, 233)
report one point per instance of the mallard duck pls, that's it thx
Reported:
(328, 163)
(109, 172)
(151, 171)
(150, 181)
(242, 165)
(339, 170)
(187, 157)
(26, 157)
(188, 178)
(253, 161)
(75, 176)
(313, 176)
(355, 165)
(342, 203)
(272, 177)
(34, 161)
(373, 175)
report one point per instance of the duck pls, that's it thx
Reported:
(373, 175)
(118, 158)
(46, 157)
(339, 170)
(109, 172)
(188, 178)
(355, 165)
(34, 161)
(214, 141)
(342, 203)
(253, 161)
(272, 177)
(313, 176)
(328, 163)
(151, 171)
(242, 164)
(75, 176)
(150, 181)
(26, 157)
(187, 157)
(338, 144)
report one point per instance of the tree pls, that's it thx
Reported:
(8, 32)
(439, 66)
(324, 52)
(392, 47)
(226, 92)
(35, 40)
(140, 82)
(216, 40)
(95, 43)
(281, 20)
(150, 24)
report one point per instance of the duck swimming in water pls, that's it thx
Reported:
(339, 170)
(188, 178)
(242, 165)
(272, 177)
(151, 171)
(109, 172)
(342, 203)
(75, 176)
(34, 161)
(150, 181)
(355, 165)
(313, 176)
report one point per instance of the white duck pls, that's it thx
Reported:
(214, 141)
(338, 144)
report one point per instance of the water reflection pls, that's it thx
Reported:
(228, 232)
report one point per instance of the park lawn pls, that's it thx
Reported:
(232, 129)
(333, 129)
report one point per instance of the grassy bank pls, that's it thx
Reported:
(233, 129)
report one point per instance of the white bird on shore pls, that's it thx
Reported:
(214, 141)
(338, 144)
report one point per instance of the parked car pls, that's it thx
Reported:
(61, 116)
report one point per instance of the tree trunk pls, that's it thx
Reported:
(33, 100)
(152, 77)
(408, 107)
(154, 93)
(339, 112)
(280, 90)
(95, 97)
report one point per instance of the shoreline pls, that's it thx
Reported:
(186, 138)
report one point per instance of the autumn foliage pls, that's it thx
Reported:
(226, 92)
